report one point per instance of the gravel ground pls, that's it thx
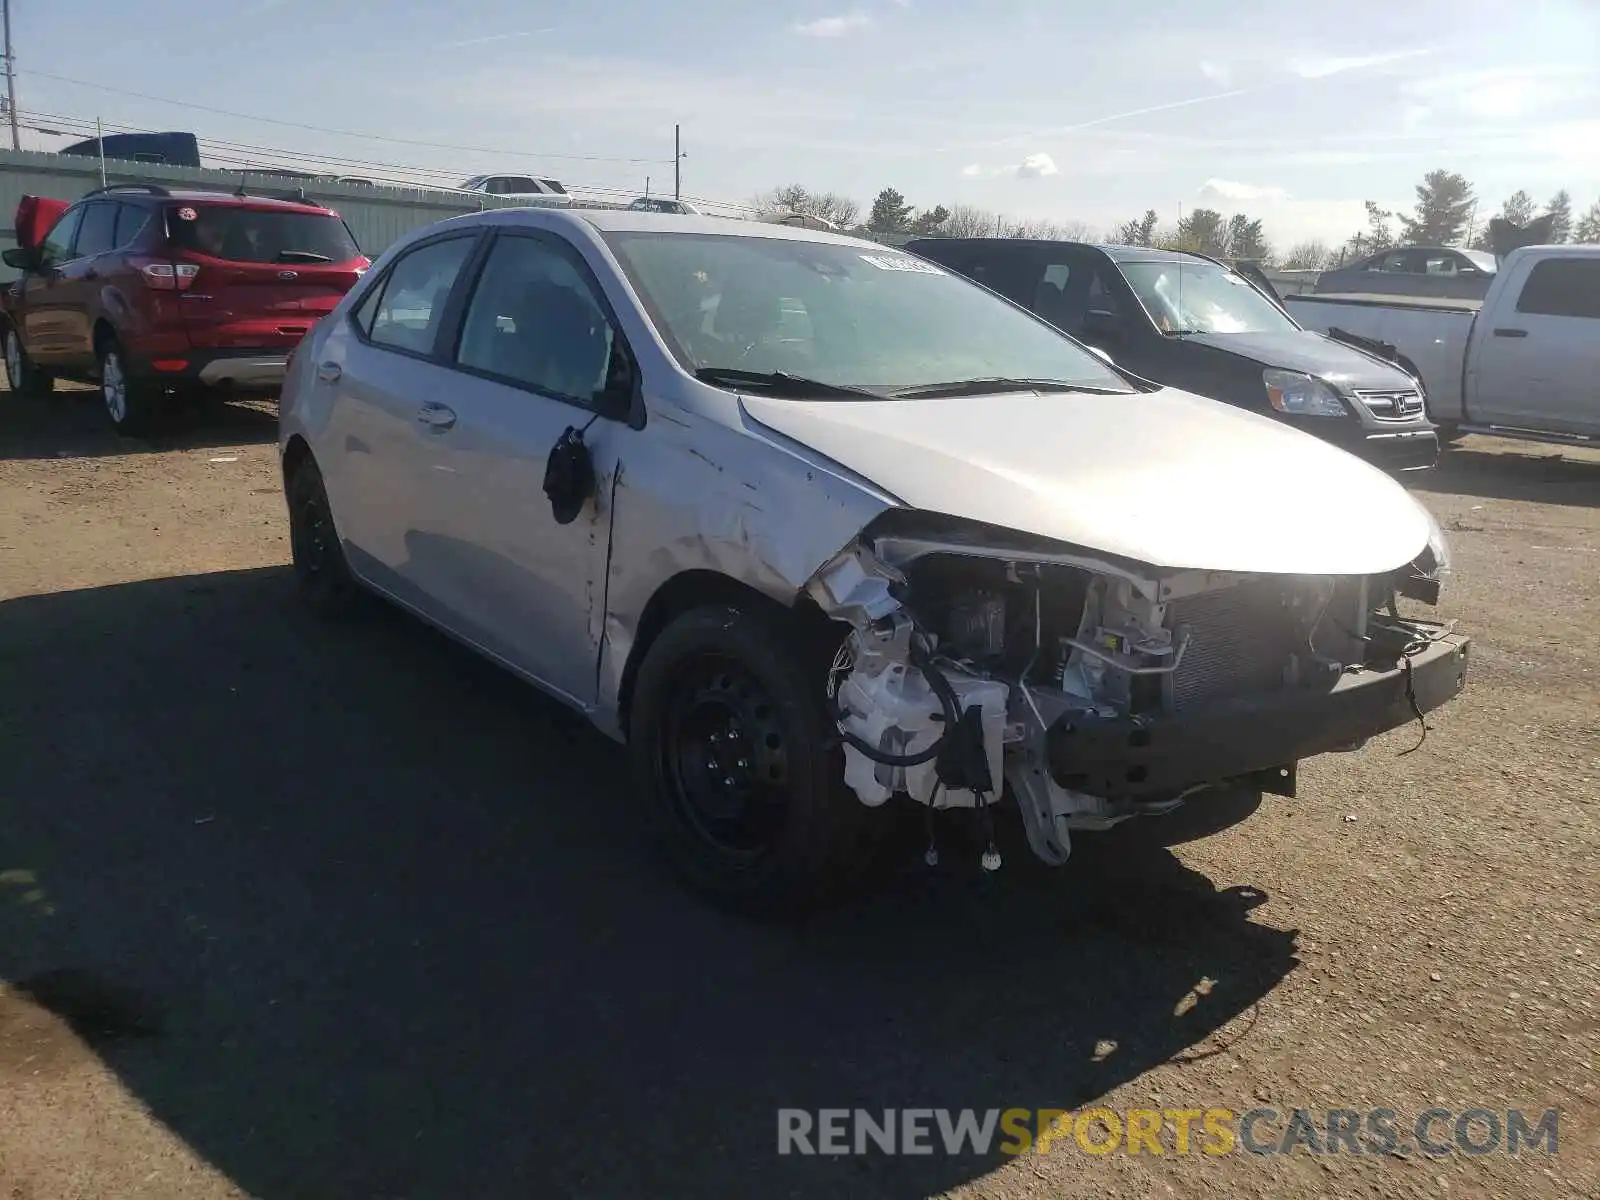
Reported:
(289, 910)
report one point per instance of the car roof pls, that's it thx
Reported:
(1123, 254)
(620, 220)
(198, 196)
(624, 220)
(1112, 251)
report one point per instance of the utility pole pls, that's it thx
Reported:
(647, 187)
(677, 162)
(100, 145)
(11, 79)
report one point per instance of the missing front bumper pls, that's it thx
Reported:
(1147, 758)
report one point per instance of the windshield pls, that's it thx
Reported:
(1201, 297)
(1484, 262)
(843, 315)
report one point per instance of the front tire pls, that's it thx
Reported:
(321, 571)
(22, 377)
(738, 767)
(131, 403)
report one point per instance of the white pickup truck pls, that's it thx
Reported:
(1522, 362)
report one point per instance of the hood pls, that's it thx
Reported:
(1310, 353)
(1163, 478)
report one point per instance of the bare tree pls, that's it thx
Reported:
(840, 209)
(1308, 256)
(1077, 231)
(966, 221)
(1040, 228)
(797, 198)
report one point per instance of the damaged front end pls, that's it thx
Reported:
(985, 665)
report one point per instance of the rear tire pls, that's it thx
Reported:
(738, 767)
(132, 404)
(23, 378)
(322, 573)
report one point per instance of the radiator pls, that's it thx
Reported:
(1240, 640)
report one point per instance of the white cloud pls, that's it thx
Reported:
(972, 170)
(1036, 166)
(1229, 189)
(903, 3)
(1497, 93)
(495, 37)
(1217, 72)
(1322, 67)
(830, 27)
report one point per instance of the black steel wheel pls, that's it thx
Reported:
(320, 569)
(737, 769)
(722, 756)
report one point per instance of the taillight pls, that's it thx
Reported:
(169, 277)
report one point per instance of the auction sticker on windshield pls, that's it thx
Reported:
(894, 262)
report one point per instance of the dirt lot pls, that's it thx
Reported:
(289, 910)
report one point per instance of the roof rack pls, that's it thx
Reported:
(296, 195)
(152, 189)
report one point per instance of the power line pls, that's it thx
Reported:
(237, 155)
(373, 137)
(234, 155)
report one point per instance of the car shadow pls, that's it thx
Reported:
(71, 423)
(356, 914)
(1543, 474)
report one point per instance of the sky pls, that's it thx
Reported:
(1067, 111)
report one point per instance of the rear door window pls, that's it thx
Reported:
(131, 220)
(251, 235)
(97, 233)
(1050, 296)
(1101, 298)
(411, 307)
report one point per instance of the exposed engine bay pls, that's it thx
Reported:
(1088, 692)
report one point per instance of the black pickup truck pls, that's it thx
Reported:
(1194, 323)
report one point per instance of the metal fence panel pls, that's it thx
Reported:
(377, 215)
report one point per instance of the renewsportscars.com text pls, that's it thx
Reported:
(1434, 1132)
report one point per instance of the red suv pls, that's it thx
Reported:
(150, 292)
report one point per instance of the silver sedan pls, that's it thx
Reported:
(819, 529)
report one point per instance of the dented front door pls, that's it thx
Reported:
(512, 577)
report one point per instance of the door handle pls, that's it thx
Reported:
(329, 372)
(436, 416)
(1511, 333)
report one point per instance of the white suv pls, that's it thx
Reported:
(535, 193)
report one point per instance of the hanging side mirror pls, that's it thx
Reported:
(569, 478)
